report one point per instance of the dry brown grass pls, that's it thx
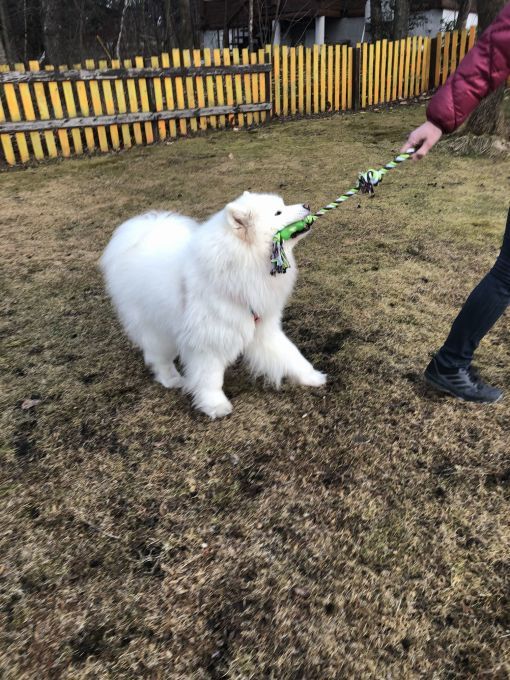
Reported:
(357, 532)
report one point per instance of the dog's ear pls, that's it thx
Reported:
(240, 219)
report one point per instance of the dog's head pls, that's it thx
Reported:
(255, 219)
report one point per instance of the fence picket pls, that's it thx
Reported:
(144, 101)
(238, 85)
(44, 114)
(254, 88)
(370, 74)
(121, 106)
(316, 83)
(462, 44)
(364, 75)
(338, 76)
(389, 68)
(301, 79)
(133, 104)
(377, 71)
(453, 61)
(323, 78)
(179, 90)
(308, 52)
(417, 73)
(446, 55)
(190, 92)
(344, 77)
(384, 66)
(276, 73)
(329, 96)
(219, 85)
(472, 37)
(158, 99)
(285, 79)
(350, 77)
(28, 110)
(199, 84)
(109, 106)
(84, 110)
(15, 115)
(228, 82)
(97, 106)
(396, 53)
(262, 85)
(209, 86)
(10, 156)
(293, 107)
(58, 113)
(412, 67)
(426, 64)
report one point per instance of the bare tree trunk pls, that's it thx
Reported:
(401, 19)
(171, 38)
(52, 31)
(121, 29)
(462, 16)
(185, 24)
(376, 19)
(6, 47)
(250, 25)
(489, 118)
(226, 37)
(3, 51)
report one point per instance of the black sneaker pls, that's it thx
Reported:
(465, 383)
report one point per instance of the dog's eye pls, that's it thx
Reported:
(278, 212)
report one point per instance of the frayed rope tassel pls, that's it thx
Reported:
(279, 261)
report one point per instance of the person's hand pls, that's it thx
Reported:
(423, 139)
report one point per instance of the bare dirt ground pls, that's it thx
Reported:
(360, 531)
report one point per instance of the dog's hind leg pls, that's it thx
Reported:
(160, 359)
(204, 380)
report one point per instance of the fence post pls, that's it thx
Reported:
(356, 66)
(433, 57)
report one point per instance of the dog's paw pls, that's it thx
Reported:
(313, 379)
(217, 409)
(170, 380)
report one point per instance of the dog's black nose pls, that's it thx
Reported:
(306, 206)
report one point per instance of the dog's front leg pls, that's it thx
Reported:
(203, 378)
(274, 356)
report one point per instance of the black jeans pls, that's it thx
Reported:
(481, 310)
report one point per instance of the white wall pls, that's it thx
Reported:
(213, 39)
(431, 24)
(439, 20)
(435, 20)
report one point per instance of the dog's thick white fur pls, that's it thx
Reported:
(203, 293)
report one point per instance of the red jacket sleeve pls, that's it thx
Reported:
(482, 70)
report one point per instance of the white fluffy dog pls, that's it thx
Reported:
(204, 293)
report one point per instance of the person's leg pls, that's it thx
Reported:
(480, 312)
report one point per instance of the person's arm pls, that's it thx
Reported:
(482, 71)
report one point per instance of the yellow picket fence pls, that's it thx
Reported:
(450, 50)
(51, 112)
(111, 105)
(312, 79)
(393, 70)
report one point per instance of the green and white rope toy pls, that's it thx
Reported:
(366, 183)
